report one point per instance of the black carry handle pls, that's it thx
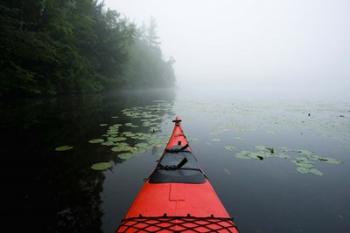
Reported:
(183, 162)
(176, 150)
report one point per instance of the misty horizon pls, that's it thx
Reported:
(270, 44)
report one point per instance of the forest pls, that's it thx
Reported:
(54, 47)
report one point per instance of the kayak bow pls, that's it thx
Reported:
(177, 197)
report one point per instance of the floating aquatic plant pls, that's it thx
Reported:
(63, 148)
(101, 166)
(304, 160)
(103, 125)
(154, 129)
(116, 139)
(130, 125)
(108, 143)
(96, 140)
(143, 133)
(142, 145)
(125, 156)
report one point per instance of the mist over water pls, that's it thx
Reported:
(272, 45)
(261, 87)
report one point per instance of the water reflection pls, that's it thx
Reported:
(51, 191)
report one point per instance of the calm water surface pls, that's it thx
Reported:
(50, 191)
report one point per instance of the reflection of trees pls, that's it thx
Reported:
(58, 192)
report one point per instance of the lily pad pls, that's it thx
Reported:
(96, 140)
(116, 139)
(103, 125)
(125, 156)
(64, 148)
(118, 149)
(142, 145)
(101, 166)
(329, 160)
(130, 125)
(154, 129)
(302, 170)
(305, 165)
(108, 143)
(316, 172)
(123, 147)
(305, 152)
(243, 155)
(271, 150)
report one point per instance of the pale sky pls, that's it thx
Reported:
(274, 43)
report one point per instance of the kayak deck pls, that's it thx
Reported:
(177, 197)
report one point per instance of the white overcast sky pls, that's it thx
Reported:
(278, 43)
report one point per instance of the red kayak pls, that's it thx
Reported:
(178, 196)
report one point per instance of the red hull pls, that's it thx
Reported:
(177, 206)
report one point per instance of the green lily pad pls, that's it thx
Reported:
(123, 147)
(96, 140)
(305, 152)
(125, 156)
(103, 125)
(128, 134)
(243, 155)
(108, 143)
(64, 148)
(302, 170)
(154, 129)
(329, 160)
(302, 160)
(130, 125)
(265, 149)
(316, 172)
(112, 132)
(305, 165)
(142, 145)
(101, 166)
(119, 149)
(116, 139)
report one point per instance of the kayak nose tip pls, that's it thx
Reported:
(177, 120)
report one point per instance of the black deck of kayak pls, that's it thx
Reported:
(166, 171)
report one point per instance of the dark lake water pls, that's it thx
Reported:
(278, 164)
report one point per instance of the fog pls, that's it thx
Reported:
(252, 43)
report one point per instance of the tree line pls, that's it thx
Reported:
(52, 47)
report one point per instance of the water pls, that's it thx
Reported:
(53, 191)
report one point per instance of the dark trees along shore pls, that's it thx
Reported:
(51, 47)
